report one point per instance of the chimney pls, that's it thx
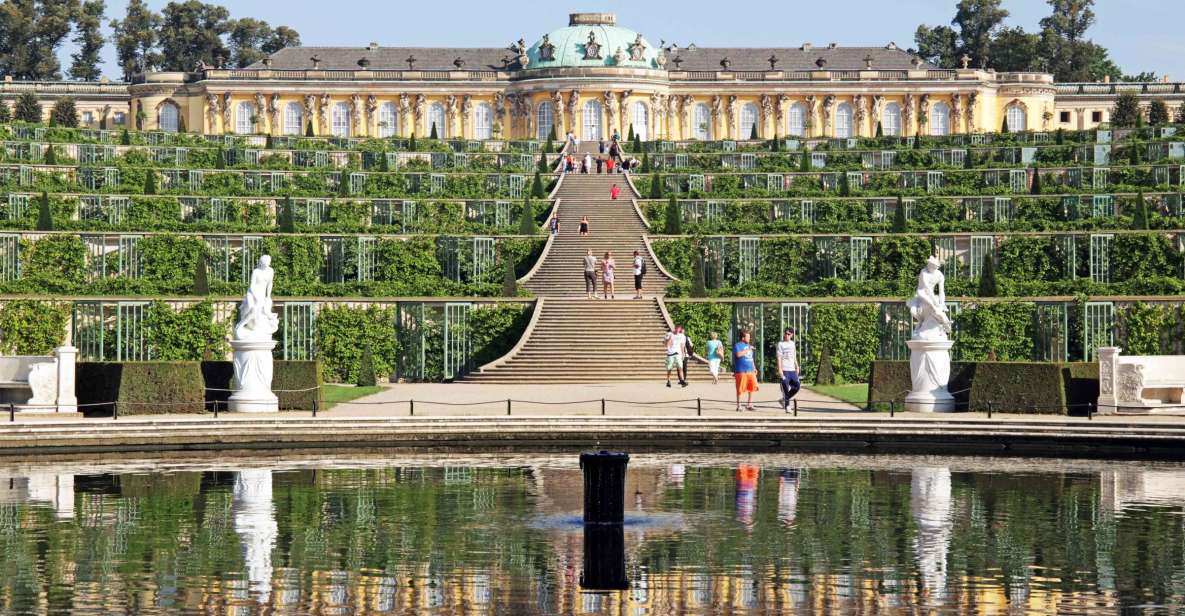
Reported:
(806, 47)
(832, 45)
(372, 46)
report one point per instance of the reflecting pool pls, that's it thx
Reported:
(494, 535)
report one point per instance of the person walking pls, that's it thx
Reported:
(744, 370)
(688, 352)
(613, 192)
(601, 147)
(788, 364)
(590, 274)
(587, 164)
(600, 165)
(639, 272)
(714, 352)
(584, 226)
(555, 225)
(671, 343)
(607, 267)
(609, 165)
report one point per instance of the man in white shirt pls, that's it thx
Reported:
(788, 364)
(672, 344)
(681, 346)
(639, 271)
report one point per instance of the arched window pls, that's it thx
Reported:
(1017, 122)
(544, 120)
(701, 123)
(388, 120)
(245, 118)
(483, 118)
(939, 119)
(891, 120)
(592, 120)
(436, 118)
(169, 118)
(843, 121)
(341, 120)
(640, 118)
(293, 119)
(748, 121)
(796, 120)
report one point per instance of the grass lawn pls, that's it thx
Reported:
(344, 393)
(855, 393)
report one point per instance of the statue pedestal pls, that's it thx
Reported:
(253, 377)
(929, 365)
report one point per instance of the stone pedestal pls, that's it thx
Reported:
(67, 360)
(253, 377)
(929, 365)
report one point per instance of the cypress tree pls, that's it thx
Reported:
(1004, 127)
(384, 163)
(1126, 112)
(917, 141)
(549, 147)
(5, 112)
(753, 133)
(637, 143)
(900, 223)
(287, 222)
(1158, 113)
(537, 186)
(825, 375)
(699, 282)
(656, 186)
(509, 280)
(526, 221)
(220, 158)
(645, 162)
(969, 160)
(125, 138)
(51, 155)
(1140, 213)
(150, 182)
(630, 135)
(542, 166)
(44, 215)
(845, 188)
(268, 143)
(27, 108)
(366, 376)
(201, 278)
(1060, 137)
(880, 130)
(411, 144)
(308, 130)
(343, 183)
(673, 220)
(1036, 187)
(804, 162)
(1133, 154)
(987, 278)
(432, 135)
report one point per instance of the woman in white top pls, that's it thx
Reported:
(587, 168)
(607, 267)
(788, 364)
(590, 274)
(639, 270)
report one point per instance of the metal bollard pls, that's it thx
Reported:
(602, 406)
(892, 407)
(795, 401)
(508, 407)
(411, 408)
(989, 409)
(215, 409)
(114, 410)
(699, 407)
(1089, 411)
(314, 407)
(11, 412)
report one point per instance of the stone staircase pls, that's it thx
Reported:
(578, 340)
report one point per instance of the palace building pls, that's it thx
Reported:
(594, 77)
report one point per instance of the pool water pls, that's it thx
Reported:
(501, 535)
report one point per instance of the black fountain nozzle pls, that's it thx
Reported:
(604, 519)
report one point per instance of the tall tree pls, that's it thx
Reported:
(1067, 52)
(975, 23)
(191, 33)
(89, 39)
(136, 39)
(252, 39)
(31, 31)
(1013, 49)
(938, 45)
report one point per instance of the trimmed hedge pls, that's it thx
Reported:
(140, 388)
(1012, 387)
(286, 375)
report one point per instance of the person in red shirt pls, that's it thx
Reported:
(609, 165)
(613, 192)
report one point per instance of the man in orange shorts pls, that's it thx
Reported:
(744, 370)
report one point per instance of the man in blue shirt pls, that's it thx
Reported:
(744, 370)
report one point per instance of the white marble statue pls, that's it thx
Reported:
(929, 348)
(253, 344)
(930, 504)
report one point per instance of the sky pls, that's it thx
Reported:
(1142, 35)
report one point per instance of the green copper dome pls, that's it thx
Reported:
(592, 40)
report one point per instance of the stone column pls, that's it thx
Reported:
(1108, 369)
(67, 356)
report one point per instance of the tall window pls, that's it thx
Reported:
(170, 118)
(843, 121)
(640, 118)
(701, 122)
(1017, 122)
(544, 120)
(388, 120)
(293, 119)
(796, 120)
(592, 120)
(940, 119)
(748, 120)
(245, 119)
(341, 120)
(891, 120)
(483, 117)
(436, 118)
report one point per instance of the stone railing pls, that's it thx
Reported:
(1097, 88)
(340, 75)
(65, 88)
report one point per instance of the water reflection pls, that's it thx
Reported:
(448, 537)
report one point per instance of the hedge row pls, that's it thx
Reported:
(164, 387)
(1009, 387)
